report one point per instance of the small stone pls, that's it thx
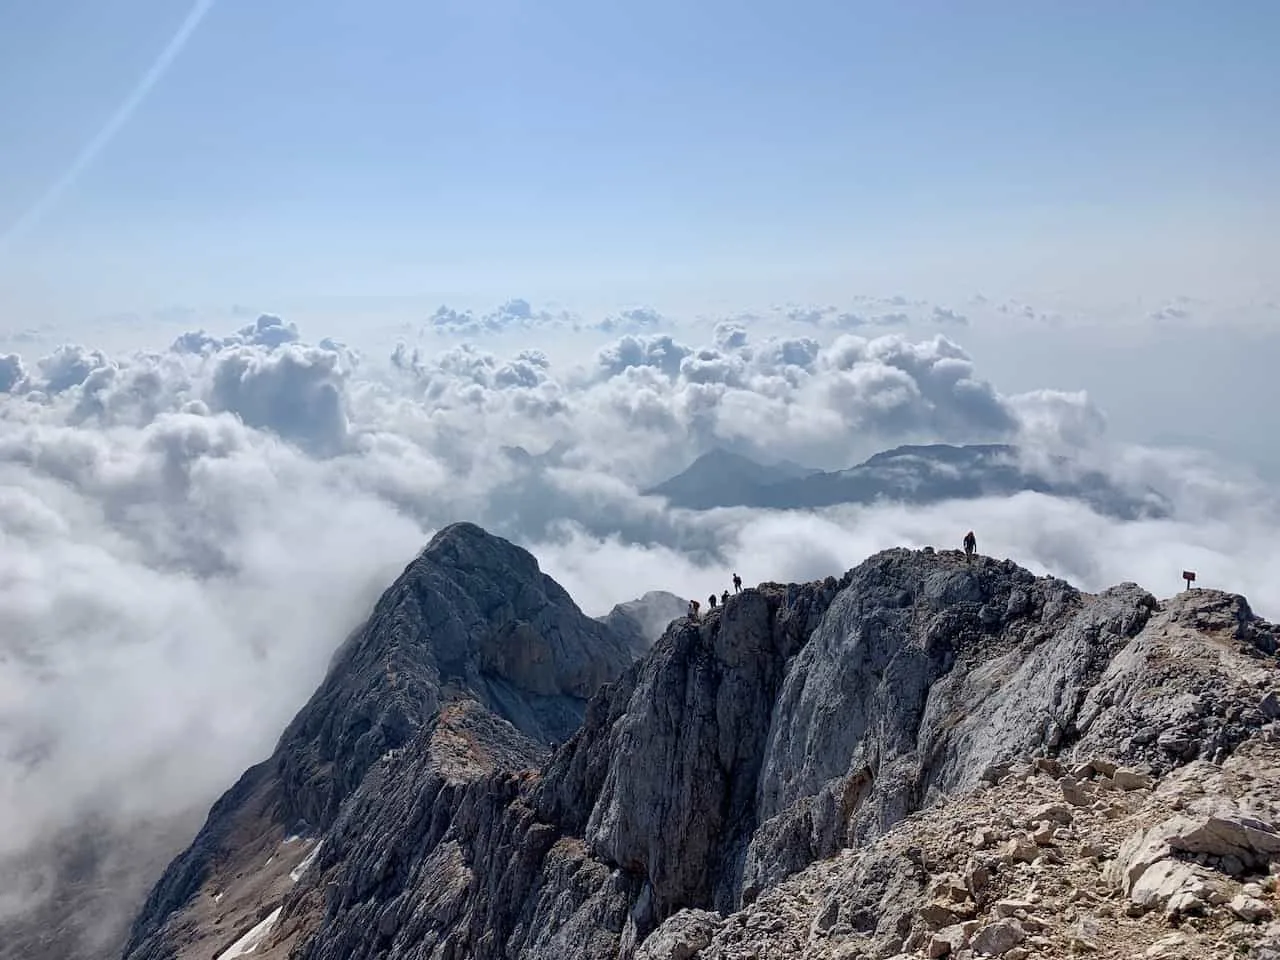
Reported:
(1166, 946)
(995, 772)
(976, 877)
(999, 937)
(1252, 890)
(1249, 909)
(1043, 835)
(1009, 908)
(1082, 771)
(1145, 737)
(1184, 903)
(1231, 865)
(1270, 706)
(949, 886)
(1104, 767)
(1017, 953)
(1049, 766)
(1062, 834)
(946, 942)
(1053, 812)
(939, 914)
(982, 838)
(1178, 744)
(1074, 792)
(1020, 850)
(1132, 779)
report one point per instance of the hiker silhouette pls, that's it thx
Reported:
(970, 544)
(737, 583)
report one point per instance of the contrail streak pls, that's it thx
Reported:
(111, 127)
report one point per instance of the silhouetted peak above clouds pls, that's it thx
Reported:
(912, 474)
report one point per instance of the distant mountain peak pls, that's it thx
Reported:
(643, 620)
(912, 473)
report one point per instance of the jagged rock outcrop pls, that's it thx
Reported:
(471, 625)
(794, 732)
(643, 620)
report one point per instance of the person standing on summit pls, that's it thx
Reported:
(970, 544)
(737, 583)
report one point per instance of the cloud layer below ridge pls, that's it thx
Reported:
(186, 534)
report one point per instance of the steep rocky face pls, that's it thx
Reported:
(795, 729)
(472, 624)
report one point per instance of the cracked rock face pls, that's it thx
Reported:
(797, 732)
(473, 657)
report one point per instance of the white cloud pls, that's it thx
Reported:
(186, 535)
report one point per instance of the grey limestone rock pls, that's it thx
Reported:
(789, 724)
(471, 622)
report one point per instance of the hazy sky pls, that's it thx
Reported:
(810, 230)
(669, 152)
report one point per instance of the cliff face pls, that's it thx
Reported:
(471, 627)
(793, 725)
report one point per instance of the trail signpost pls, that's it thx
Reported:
(1189, 576)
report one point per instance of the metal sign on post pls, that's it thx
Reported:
(1189, 576)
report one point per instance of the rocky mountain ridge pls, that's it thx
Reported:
(918, 474)
(787, 735)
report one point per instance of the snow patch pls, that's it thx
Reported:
(301, 868)
(253, 939)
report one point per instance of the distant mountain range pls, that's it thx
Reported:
(907, 474)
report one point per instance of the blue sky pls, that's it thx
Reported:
(585, 152)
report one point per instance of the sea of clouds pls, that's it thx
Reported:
(187, 533)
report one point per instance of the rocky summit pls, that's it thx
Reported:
(926, 757)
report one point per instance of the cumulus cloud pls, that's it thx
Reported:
(871, 312)
(296, 392)
(186, 535)
(634, 320)
(519, 315)
(12, 373)
(514, 314)
(947, 315)
(267, 331)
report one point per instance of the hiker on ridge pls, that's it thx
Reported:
(970, 544)
(712, 601)
(737, 583)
